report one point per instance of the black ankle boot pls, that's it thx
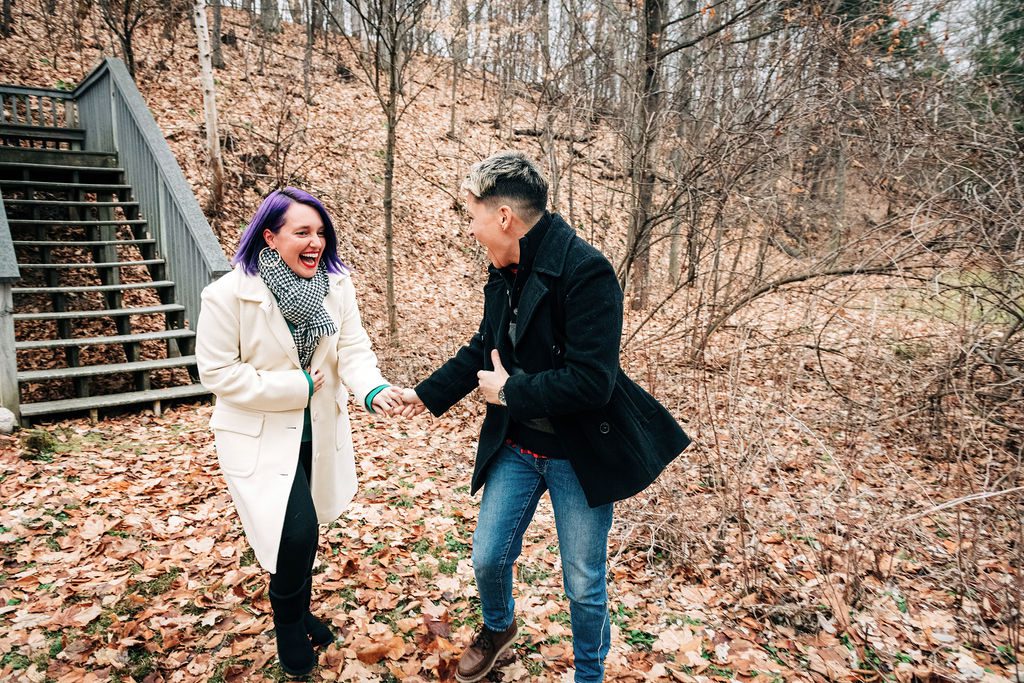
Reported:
(294, 649)
(319, 633)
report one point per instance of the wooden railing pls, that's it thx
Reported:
(115, 118)
(8, 359)
(37, 107)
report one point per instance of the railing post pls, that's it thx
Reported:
(8, 356)
(157, 231)
(9, 274)
(113, 117)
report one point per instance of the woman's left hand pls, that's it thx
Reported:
(387, 401)
(318, 380)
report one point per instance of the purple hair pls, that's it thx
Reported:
(270, 216)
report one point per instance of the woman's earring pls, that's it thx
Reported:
(269, 258)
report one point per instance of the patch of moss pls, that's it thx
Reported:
(160, 584)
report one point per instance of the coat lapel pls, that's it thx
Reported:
(252, 288)
(534, 290)
(279, 326)
(496, 305)
(550, 260)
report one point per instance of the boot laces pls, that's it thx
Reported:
(484, 640)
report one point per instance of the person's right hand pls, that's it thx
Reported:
(318, 380)
(411, 404)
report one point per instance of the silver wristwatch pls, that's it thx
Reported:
(501, 395)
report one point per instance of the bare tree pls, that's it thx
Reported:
(7, 25)
(270, 16)
(388, 27)
(209, 109)
(218, 57)
(307, 56)
(460, 55)
(123, 17)
(648, 126)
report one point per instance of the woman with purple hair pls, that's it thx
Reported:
(280, 344)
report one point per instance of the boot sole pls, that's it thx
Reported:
(483, 674)
(295, 673)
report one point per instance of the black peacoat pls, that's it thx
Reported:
(569, 327)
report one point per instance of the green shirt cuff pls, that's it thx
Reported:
(310, 381)
(372, 395)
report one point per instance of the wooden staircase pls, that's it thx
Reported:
(94, 312)
(95, 317)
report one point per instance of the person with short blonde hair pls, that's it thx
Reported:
(561, 417)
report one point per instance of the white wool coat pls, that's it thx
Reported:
(247, 358)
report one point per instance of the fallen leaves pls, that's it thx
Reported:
(124, 558)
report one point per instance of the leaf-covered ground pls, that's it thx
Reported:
(825, 525)
(123, 560)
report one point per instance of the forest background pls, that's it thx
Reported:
(816, 212)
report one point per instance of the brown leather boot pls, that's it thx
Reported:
(478, 659)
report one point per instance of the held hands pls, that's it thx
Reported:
(399, 402)
(492, 380)
(411, 404)
(392, 401)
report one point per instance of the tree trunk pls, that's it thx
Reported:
(297, 11)
(316, 16)
(218, 57)
(209, 109)
(389, 241)
(307, 57)
(270, 16)
(8, 20)
(693, 240)
(644, 158)
(391, 116)
(129, 53)
(839, 205)
(357, 24)
(548, 103)
(459, 57)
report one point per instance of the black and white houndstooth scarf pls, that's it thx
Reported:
(301, 301)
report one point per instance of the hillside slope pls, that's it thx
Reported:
(797, 540)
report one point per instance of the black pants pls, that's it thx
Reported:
(300, 534)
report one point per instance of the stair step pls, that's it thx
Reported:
(81, 243)
(98, 341)
(31, 221)
(27, 166)
(51, 157)
(70, 405)
(43, 184)
(96, 370)
(156, 284)
(20, 130)
(62, 202)
(109, 264)
(104, 313)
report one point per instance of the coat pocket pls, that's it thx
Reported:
(237, 436)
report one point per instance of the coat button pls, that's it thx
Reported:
(555, 350)
(604, 427)
(314, 414)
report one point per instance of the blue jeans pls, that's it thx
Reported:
(515, 483)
